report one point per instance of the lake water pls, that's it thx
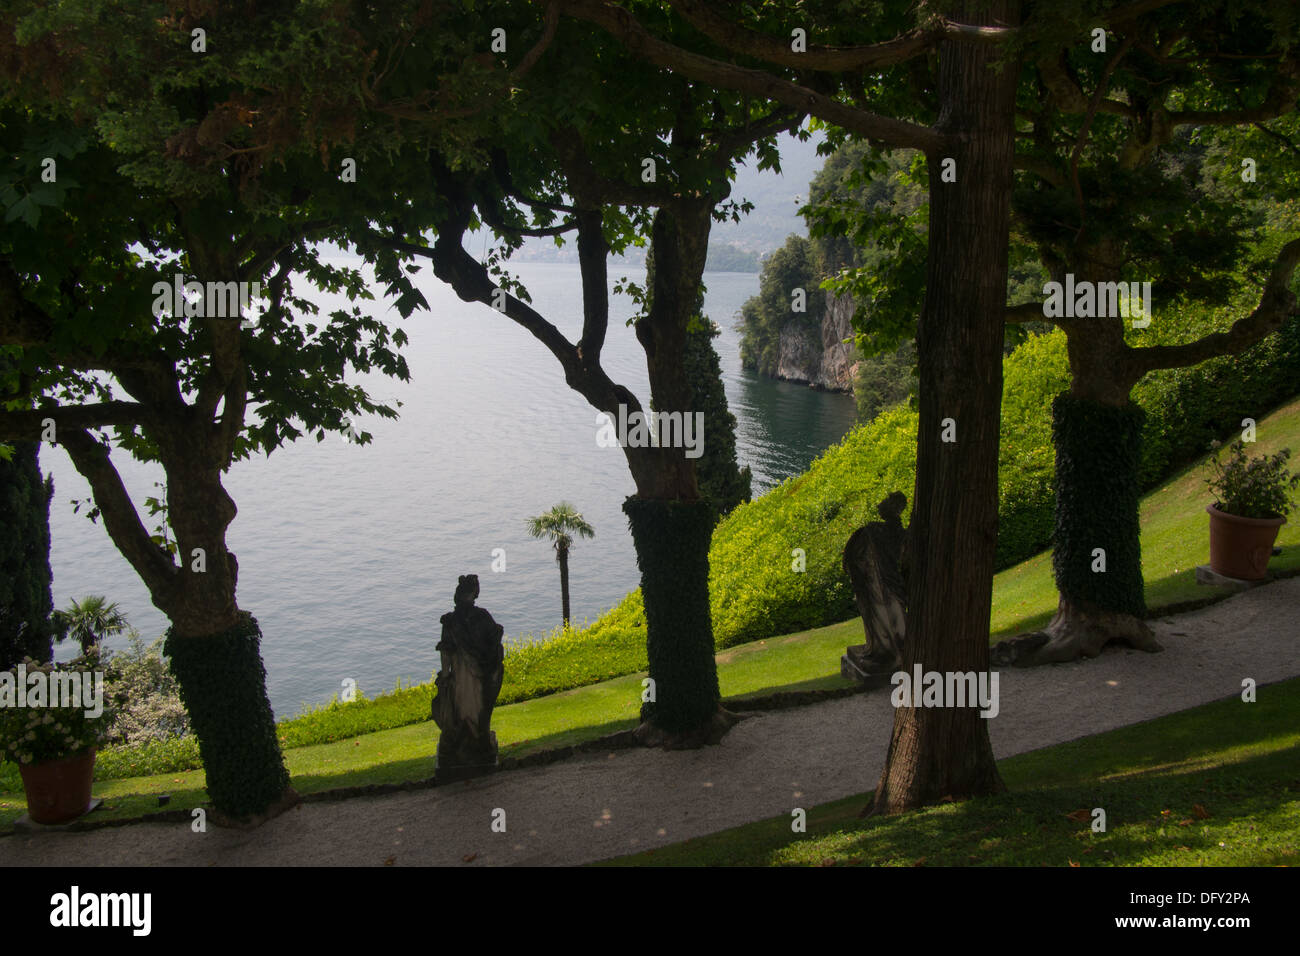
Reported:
(349, 554)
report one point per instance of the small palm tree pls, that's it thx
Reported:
(89, 621)
(560, 524)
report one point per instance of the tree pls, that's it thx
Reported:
(599, 160)
(1123, 192)
(934, 752)
(560, 524)
(89, 621)
(722, 480)
(206, 170)
(26, 602)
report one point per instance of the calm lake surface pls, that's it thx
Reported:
(349, 554)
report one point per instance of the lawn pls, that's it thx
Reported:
(1175, 538)
(1217, 785)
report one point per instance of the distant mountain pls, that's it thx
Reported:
(776, 198)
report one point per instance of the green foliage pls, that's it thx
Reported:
(39, 733)
(174, 755)
(794, 266)
(1097, 451)
(571, 657)
(728, 257)
(26, 628)
(721, 480)
(1259, 487)
(1190, 408)
(89, 621)
(560, 524)
(223, 686)
(145, 694)
(884, 380)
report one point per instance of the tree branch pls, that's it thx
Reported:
(121, 520)
(624, 26)
(28, 424)
(1277, 303)
(1025, 312)
(773, 49)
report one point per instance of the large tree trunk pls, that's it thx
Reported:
(223, 686)
(944, 752)
(26, 602)
(672, 526)
(216, 655)
(1097, 433)
(214, 647)
(1097, 550)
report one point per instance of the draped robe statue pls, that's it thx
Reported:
(467, 686)
(874, 559)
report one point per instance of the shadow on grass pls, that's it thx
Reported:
(1217, 785)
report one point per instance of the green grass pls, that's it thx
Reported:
(1175, 539)
(1174, 536)
(1217, 785)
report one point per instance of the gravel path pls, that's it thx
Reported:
(596, 806)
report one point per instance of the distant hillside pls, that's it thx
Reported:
(776, 198)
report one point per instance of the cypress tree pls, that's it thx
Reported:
(26, 601)
(720, 478)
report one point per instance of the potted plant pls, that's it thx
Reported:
(1252, 500)
(50, 735)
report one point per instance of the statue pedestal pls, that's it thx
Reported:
(855, 666)
(448, 769)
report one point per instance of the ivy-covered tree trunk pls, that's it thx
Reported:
(938, 753)
(1097, 543)
(223, 686)
(672, 551)
(214, 646)
(671, 524)
(26, 602)
(720, 477)
(1097, 550)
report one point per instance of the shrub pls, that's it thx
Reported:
(39, 733)
(1258, 487)
(144, 690)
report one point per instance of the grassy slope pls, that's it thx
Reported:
(1175, 538)
(1217, 785)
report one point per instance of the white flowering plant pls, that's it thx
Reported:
(36, 734)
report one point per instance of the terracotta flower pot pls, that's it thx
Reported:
(59, 790)
(1240, 547)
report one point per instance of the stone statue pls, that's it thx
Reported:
(874, 560)
(473, 666)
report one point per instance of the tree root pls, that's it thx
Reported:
(287, 801)
(708, 733)
(1074, 633)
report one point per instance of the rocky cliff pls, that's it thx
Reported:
(821, 358)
